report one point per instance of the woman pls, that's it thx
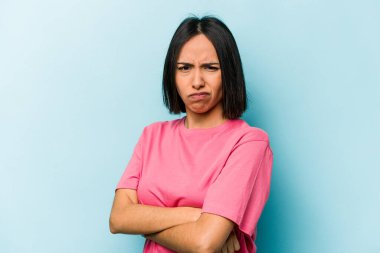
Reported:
(198, 183)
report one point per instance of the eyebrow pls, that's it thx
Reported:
(204, 64)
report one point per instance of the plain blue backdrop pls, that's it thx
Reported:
(80, 79)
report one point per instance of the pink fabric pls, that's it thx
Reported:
(224, 170)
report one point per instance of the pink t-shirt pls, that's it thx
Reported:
(224, 170)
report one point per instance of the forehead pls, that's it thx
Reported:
(198, 48)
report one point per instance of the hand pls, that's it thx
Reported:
(232, 244)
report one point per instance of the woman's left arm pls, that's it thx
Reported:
(207, 234)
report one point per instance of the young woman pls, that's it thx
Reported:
(198, 183)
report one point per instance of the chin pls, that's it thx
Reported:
(200, 111)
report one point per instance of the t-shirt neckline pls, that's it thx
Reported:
(207, 130)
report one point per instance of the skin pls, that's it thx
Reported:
(184, 229)
(198, 71)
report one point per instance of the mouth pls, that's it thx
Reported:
(198, 95)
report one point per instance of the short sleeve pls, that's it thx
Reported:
(241, 190)
(131, 176)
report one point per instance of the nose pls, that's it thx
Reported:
(198, 81)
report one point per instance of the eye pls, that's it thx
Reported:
(184, 68)
(211, 68)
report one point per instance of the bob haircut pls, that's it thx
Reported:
(234, 97)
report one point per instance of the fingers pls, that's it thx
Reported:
(236, 243)
(231, 245)
(228, 247)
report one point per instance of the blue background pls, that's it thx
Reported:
(80, 79)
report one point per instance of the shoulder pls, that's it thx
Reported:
(248, 133)
(251, 138)
(159, 126)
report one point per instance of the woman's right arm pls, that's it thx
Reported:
(129, 217)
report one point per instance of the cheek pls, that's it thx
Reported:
(219, 87)
(180, 85)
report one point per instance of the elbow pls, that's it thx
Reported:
(113, 229)
(113, 225)
(119, 222)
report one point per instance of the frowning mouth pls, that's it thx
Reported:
(198, 95)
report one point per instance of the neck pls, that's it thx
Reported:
(204, 120)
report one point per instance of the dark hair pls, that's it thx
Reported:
(234, 98)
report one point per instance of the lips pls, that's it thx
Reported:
(198, 96)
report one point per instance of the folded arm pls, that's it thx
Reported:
(129, 217)
(208, 234)
(182, 229)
